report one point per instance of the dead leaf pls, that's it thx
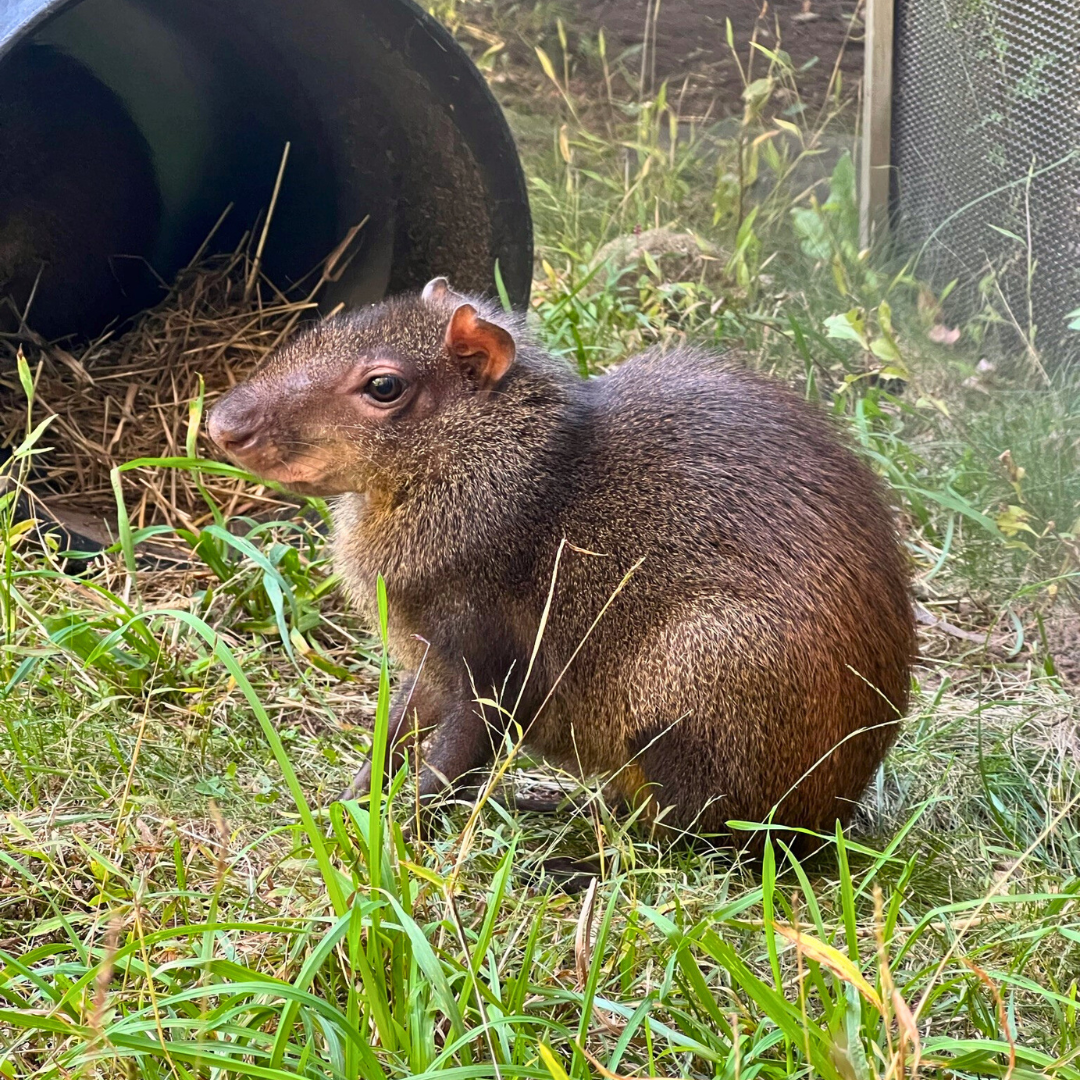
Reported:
(909, 1031)
(833, 959)
(944, 335)
(583, 937)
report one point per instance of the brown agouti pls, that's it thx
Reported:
(78, 195)
(729, 631)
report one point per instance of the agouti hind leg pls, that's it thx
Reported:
(415, 708)
(703, 751)
(460, 744)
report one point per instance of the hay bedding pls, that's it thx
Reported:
(129, 396)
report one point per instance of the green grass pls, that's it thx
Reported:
(177, 901)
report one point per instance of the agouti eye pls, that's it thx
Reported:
(384, 388)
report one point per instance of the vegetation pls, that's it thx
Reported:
(175, 900)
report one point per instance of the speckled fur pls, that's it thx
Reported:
(758, 656)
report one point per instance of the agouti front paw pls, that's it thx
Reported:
(360, 786)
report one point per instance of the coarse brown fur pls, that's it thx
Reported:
(79, 201)
(730, 629)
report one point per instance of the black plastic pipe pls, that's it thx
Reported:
(386, 116)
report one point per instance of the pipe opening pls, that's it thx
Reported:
(132, 124)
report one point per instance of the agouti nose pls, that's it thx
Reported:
(235, 425)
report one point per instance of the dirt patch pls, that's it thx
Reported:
(1062, 628)
(691, 43)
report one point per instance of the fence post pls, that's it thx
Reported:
(874, 164)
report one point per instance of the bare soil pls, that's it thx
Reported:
(1062, 629)
(691, 44)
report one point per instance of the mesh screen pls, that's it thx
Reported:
(986, 155)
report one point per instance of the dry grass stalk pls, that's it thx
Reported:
(129, 396)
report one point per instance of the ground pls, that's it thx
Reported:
(176, 897)
(691, 43)
(687, 45)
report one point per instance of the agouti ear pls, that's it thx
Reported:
(483, 348)
(436, 289)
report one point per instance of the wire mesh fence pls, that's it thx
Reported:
(986, 156)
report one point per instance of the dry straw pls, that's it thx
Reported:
(129, 395)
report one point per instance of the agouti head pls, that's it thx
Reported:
(356, 400)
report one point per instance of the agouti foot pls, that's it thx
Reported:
(570, 875)
(545, 801)
(360, 786)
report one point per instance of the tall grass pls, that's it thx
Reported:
(327, 945)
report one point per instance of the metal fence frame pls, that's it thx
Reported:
(970, 154)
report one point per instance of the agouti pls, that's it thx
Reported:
(79, 203)
(729, 630)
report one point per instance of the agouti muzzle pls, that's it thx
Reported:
(729, 633)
